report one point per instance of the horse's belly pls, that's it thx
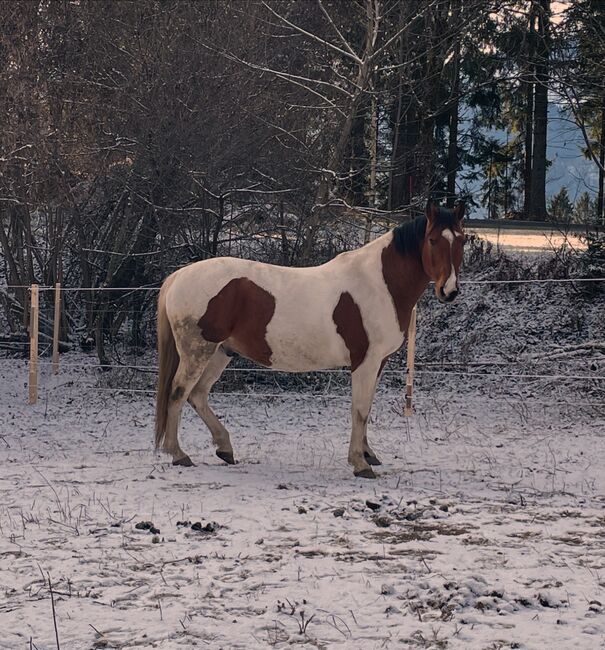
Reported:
(291, 351)
(298, 355)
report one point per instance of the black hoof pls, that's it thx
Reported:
(371, 460)
(365, 473)
(185, 461)
(226, 456)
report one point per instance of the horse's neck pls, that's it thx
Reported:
(405, 278)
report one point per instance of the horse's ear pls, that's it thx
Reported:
(431, 211)
(459, 211)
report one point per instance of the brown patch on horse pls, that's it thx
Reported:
(349, 325)
(238, 317)
(406, 281)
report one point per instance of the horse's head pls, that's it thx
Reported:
(442, 249)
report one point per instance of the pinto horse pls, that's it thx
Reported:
(352, 311)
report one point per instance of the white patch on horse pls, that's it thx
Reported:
(450, 285)
(448, 234)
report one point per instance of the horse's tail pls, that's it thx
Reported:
(168, 362)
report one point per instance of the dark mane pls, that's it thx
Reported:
(408, 236)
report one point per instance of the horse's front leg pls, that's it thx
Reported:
(363, 380)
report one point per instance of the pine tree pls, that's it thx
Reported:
(582, 82)
(584, 210)
(560, 206)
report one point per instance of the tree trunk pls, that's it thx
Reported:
(529, 116)
(362, 81)
(600, 213)
(452, 149)
(538, 176)
(405, 159)
(373, 147)
(356, 182)
(15, 275)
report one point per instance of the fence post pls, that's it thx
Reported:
(56, 328)
(409, 382)
(33, 345)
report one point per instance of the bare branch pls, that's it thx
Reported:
(338, 32)
(350, 55)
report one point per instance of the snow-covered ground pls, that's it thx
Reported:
(484, 530)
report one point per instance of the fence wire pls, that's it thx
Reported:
(334, 379)
(466, 282)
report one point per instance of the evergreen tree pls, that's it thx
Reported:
(560, 206)
(584, 210)
(581, 81)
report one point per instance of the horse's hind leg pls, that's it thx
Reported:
(186, 377)
(199, 400)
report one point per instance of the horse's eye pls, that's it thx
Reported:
(432, 242)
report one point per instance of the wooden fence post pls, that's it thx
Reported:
(33, 345)
(56, 328)
(409, 382)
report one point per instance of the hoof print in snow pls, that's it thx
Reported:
(372, 505)
(339, 512)
(302, 510)
(183, 524)
(147, 525)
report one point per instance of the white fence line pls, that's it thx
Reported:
(344, 371)
(330, 396)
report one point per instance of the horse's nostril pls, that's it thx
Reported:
(451, 296)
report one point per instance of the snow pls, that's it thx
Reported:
(485, 528)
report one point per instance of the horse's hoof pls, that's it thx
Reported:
(185, 461)
(367, 472)
(371, 460)
(227, 456)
